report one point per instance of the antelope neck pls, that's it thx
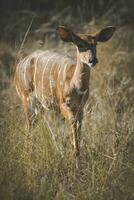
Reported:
(81, 74)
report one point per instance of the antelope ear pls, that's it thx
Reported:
(105, 34)
(68, 36)
(64, 33)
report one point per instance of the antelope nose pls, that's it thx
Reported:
(93, 61)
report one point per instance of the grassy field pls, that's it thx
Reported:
(41, 166)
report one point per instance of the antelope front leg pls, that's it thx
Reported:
(76, 138)
(76, 128)
(75, 122)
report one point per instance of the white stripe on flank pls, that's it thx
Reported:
(18, 91)
(19, 70)
(61, 68)
(64, 72)
(51, 81)
(35, 89)
(59, 72)
(25, 70)
(44, 73)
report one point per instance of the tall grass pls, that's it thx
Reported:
(41, 166)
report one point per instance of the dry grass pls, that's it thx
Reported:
(42, 166)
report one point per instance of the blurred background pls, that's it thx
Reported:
(15, 16)
(40, 168)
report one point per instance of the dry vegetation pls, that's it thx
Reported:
(41, 167)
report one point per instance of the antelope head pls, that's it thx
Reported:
(86, 43)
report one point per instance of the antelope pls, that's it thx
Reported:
(59, 82)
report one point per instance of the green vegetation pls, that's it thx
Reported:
(40, 166)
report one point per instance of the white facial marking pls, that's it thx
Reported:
(86, 56)
(89, 64)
